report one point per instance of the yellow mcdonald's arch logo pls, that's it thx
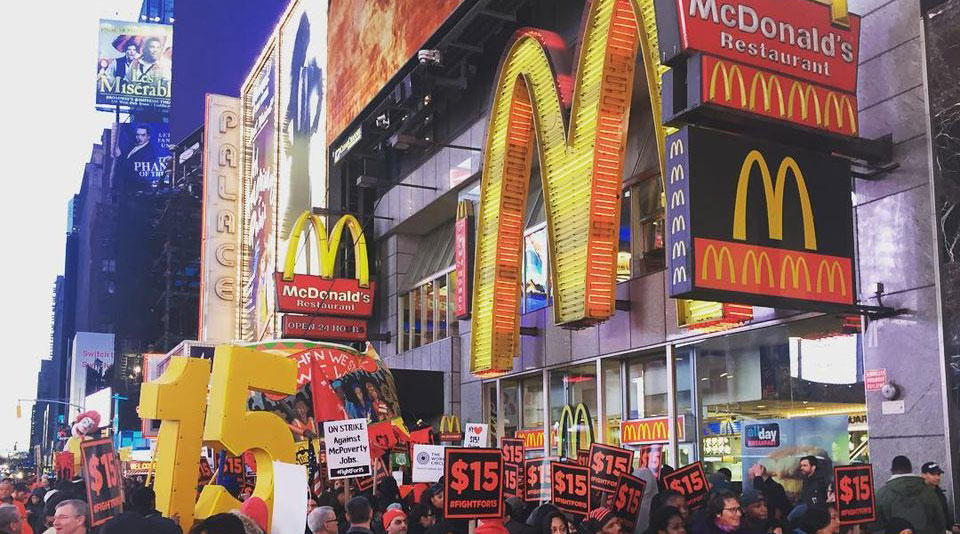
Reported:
(581, 166)
(767, 84)
(834, 269)
(327, 246)
(650, 430)
(795, 267)
(721, 67)
(758, 261)
(804, 92)
(839, 104)
(718, 256)
(774, 199)
(578, 423)
(450, 423)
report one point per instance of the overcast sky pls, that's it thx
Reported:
(49, 126)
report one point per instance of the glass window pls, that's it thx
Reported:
(624, 253)
(403, 316)
(426, 313)
(510, 390)
(532, 398)
(416, 311)
(490, 395)
(772, 395)
(440, 319)
(426, 290)
(535, 268)
(451, 306)
(647, 205)
(571, 387)
(647, 387)
(613, 399)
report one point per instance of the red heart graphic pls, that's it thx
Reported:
(478, 430)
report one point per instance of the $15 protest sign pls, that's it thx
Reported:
(473, 483)
(691, 482)
(570, 485)
(855, 493)
(104, 483)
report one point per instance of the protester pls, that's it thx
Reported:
(675, 500)
(127, 522)
(814, 490)
(219, 524)
(420, 520)
(756, 514)
(778, 504)
(898, 525)
(646, 503)
(667, 520)
(932, 474)
(723, 515)
(359, 515)
(602, 521)
(907, 496)
(322, 520)
(517, 515)
(9, 519)
(6, 491)
(19, 496)
(813, 520)
(143, 501)
(35, 509)
(71, 517)
(547, 519)
(395, 522)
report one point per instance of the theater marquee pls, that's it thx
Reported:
(758, 223)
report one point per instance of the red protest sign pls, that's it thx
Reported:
(63, 465)
(570, 488)
(365, 483)
(513, 480)
(583, 457)
(855, 494)
(606, 464)
(626, 500)
(104, 482)
(473, 483)
(691, 482)
(537, 480)
(512, 450)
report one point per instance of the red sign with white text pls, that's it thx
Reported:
(322, 328)
(463, 234)
(691, 482)
(316, 295)
(794, 37)
(101, 472)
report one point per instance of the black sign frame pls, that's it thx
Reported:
(856, 510)
(488, 502)
(108, 502)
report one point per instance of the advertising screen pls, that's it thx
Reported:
(91, 365)
(142, 150)
(133, 64)
(260, 209)
(375, 39)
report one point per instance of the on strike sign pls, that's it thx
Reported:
(626, 500)
(473, 483)
(855, 494)
(348, 448)
(104, 482)
(691, 482)
(606, 464)
(570, 488)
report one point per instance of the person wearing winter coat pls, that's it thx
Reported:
(907, 496)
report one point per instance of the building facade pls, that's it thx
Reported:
(721, 373)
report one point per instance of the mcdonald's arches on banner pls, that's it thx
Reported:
(450, 429)
(754, 222)
(575, 424)
(649, 430)
(813, 41)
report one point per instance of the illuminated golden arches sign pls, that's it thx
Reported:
(580, 165)
(327, 247)
(773, 194)
(577, 422)
(450, 428)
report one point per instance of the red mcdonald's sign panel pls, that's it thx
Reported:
(328, 296)
(650, 430)
(463, 241)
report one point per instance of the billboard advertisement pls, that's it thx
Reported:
(375, 38)
(778, 444)
(260, 207)
(334, 382)
(90, 367)
(759, 223)
(303, 105)
(221, 192)
(133, 65)
(142, 152)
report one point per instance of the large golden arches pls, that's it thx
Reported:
(581, 168)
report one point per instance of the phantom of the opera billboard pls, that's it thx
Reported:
(133, 65)
(142, 152)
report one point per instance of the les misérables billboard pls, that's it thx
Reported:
(133, 65)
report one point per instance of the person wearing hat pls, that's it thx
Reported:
(932, 473)
(395, 522)
(602, 520)
(756, 515)
(907, 496)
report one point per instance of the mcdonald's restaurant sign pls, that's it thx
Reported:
(450, 429)
(320, 306)
(814, 41)
(575, 430)
(649, 430)
(757, 223)
(463, 234)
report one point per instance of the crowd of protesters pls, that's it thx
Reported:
(906, 503)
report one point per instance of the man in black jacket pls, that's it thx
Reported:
(932, 473)
(814, 491)
(359, 514)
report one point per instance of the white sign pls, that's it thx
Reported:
(102, 403)
(91, 366)
(221, 189)
(348, 448)
(896, 407)
(289, 498)
(475, 435)
(427, 462)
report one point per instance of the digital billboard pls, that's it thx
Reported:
(133, 64)
(142, 152)
(369, 42)
(260, 200)
(90, 367)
